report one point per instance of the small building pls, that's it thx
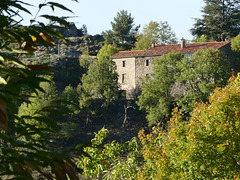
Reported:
(132, 65)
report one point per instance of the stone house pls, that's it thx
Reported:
(132, 65)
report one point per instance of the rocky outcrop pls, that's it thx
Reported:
(65, 50)
(72, 31)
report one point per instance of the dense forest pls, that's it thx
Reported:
(63, 115)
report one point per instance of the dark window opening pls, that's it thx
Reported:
(124, 63)
(147, 62)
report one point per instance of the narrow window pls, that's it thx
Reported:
(124, 80)
(147, 62)
(124, 63)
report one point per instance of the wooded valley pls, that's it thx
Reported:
(64, 113)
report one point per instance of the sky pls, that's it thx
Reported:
(98, 15)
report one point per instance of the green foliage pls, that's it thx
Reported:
(202, 38)
(123, 33)
(127, 168)
(156, 98)
(21, 155)
(100, 156)
(196, 77)
(235, 44)
(206, 69)
(67, 72)
(85, 60)
(100, 84)
(160, 33)
(214, 134)
(220, 20)
(107, 50)
(106, 159)
(68, 129)
(206, 147)
(39, 99)
(71, 94)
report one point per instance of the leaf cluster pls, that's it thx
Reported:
(206, 147)
(99, 84)
(25, 151)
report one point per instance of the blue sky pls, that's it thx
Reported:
(97, 15)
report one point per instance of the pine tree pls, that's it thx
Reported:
(220, 20)
(123, 31)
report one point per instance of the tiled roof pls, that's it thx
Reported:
(165, 49)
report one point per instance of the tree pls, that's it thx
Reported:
(182, 81)
(123, 31)
(107, 50)
(99, 84)
(235, 44)
(160, 33)
(202, 38)
(156, 98)
(21, 155)
(39, 99)
(84, 29)
(72, 95)
(203, 72)
(85, 60)
(206, 147)
(220, 20)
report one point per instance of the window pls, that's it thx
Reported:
(124, 63)
(147, 62)
(124, 78)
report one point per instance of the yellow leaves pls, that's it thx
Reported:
(27, 46)
(34, 39)
(47, 39)
(236, 176)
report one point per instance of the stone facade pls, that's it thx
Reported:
(126, 69)
(144, 67)
(131, 70)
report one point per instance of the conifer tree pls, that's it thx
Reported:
(220, 20)
(123, 31)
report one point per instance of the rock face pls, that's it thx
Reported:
(64, 57)
(71, 32)
(71, 49)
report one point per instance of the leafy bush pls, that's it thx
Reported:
(100, 156)
(109, 160)
(22, 156)
(206, 147)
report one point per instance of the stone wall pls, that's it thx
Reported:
(143, 69)
(129, 70)
(135, 69)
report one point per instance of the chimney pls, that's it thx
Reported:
(153, 44)
(183, 43)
